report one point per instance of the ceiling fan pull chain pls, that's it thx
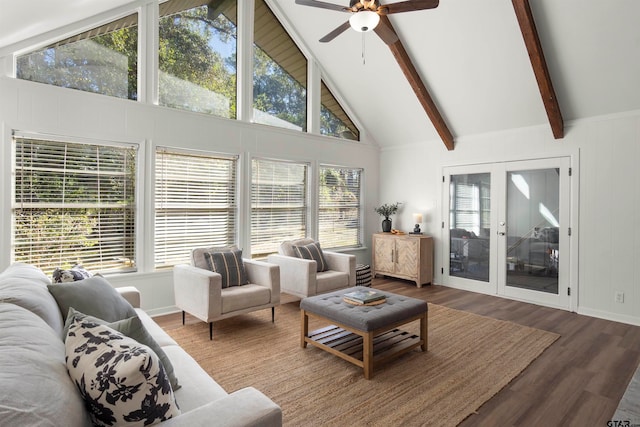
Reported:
(363, 44)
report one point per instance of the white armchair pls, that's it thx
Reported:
(199, 292)
(300, 277)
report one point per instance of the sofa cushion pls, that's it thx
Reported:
(26, 286)
(36, 387)
(312, 251)
(229, 265)
(75, 273)
(198, 259)
(94, 296)
(121, 381)
(133, 328)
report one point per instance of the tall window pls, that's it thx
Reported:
(74, 203)
(334, 121)
(195, 206)
(278, 204)
(198, 56)
(279, 74)
(470, 203)
(339, 207)
(102, 60)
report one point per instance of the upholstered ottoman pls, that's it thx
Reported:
(364, 335)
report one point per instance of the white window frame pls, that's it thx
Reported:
(359, 238)
(274, 240)
(203, 235)
(132, 265)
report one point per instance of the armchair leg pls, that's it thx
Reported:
(182, 317)
(273, 314)
(210, 330)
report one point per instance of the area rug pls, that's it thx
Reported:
(470, 359)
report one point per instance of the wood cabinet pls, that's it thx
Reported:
(407, 257)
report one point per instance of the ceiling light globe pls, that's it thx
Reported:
(364, 21)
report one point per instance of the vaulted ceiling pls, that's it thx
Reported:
(470, 55)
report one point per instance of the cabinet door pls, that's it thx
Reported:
(383, 254)
(407, 257)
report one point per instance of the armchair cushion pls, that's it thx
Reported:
(312, 251)
(198, 259)
(229, 265)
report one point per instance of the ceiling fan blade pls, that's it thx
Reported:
(386, 32)
(335, 33)
(408, 6)
(322, 5)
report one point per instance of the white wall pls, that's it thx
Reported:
(607, 150)
(33, 107)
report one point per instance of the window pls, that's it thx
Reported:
(278, 204)
(102, 60)
(197, 56)
(470, 203)
(334, 121)
(339, 207)
(195, 204)
(279, 74)
(74, 203)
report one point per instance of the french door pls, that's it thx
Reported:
(506, 230)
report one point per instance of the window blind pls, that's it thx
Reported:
(195, 204)
(278, 204)
(339, 207)
(74, 203)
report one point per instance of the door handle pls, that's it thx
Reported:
(501, 233)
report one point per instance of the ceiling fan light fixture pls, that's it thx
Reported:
(364, 21)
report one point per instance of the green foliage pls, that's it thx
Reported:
(387, 210)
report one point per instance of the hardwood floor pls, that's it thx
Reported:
(578, 381)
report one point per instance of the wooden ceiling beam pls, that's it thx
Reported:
(418, 86)
(532, 42)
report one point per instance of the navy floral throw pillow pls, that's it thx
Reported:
(121, 381)
(75, 273)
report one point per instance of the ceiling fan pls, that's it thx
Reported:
(365, 15)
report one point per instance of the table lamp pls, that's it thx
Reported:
(417, 218)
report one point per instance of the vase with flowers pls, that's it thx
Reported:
(386, 211)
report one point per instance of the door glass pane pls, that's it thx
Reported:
(533, 212)
(470, 225)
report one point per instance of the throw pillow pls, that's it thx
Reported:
(94, 296)
(312, 251)
(121, 381)
(133, 328)
(229, 265)
(77, 272)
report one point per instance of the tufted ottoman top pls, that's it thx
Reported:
(364, 317)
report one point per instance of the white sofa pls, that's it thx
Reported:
(37, 390)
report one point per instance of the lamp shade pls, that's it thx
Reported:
(364, 21)
(417, 218)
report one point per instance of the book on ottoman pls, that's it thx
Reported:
(364, 296)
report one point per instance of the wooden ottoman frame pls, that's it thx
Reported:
(363, 348)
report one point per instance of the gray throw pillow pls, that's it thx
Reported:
(229, 265)
(133, 328)
(312, 251)
(94, 296)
